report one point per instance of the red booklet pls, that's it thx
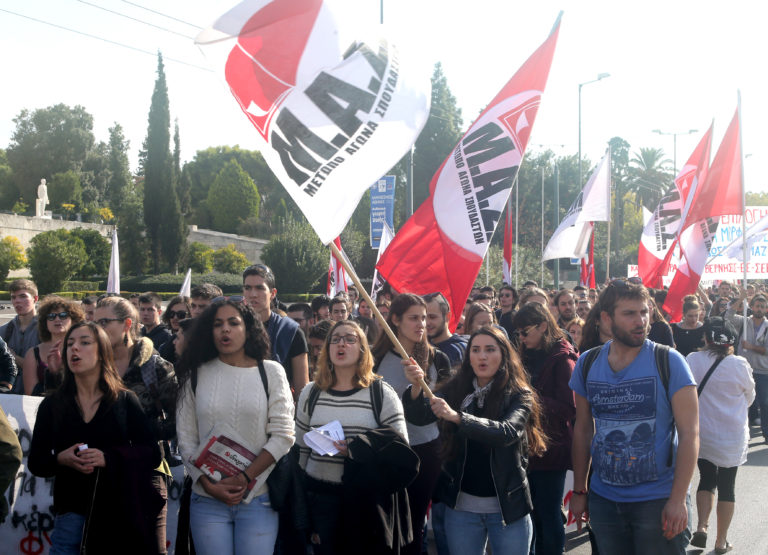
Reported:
(223, 457)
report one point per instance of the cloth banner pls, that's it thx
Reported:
(113, 277)
(593, 204)
(442, 246)
(378, 282)
(186, 287)
(335, 114)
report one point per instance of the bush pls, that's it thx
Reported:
(11, 256)
(54, 257)
(99, 252)
(232, 198)
(229, 260)
(230, 284)
(199, 257)
(297, 258)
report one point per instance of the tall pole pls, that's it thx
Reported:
(674, 144)
(409, 184)
(599, 77)
(608, 246)
(517, 228)
(743, 213)
(557, 220)
(542, 227)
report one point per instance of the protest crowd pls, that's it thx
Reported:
(303, 430)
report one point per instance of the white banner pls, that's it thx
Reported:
(27, 529)
(335, 116)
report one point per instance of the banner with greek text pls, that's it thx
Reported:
(382, 208)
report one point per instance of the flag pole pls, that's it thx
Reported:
(516, 185)
(745, 253)
(608, 243)
(384, 326)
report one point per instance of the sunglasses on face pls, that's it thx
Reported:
(64, 315)
(180, 314)
(348, 339)
(526, 331)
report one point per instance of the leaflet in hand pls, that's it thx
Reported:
(222, 457)
(321, 439)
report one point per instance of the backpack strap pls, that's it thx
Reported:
(264, 379)
(309, 404)
(193, 380)
(377, 399)
(589, 359)
(661, 356)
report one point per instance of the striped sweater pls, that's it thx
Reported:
(353, 409)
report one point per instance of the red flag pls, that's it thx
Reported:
(509, 239)
(441, 247)
(337, 277)
(722, 191)
(661, 233)
(587, 277)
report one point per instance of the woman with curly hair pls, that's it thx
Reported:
(548, 358)
(342, 386)
(489, 424)
(222, 392)
(42, 364)
(407, 319)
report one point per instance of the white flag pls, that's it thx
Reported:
(113, 278)
(755, 233)
(335, 113)
(593, 204)
(186, 287)
(386, 238)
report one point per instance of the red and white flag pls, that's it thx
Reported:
(386, 239)
(441, 247)
(593, 204)
(661, 233)
(334, 114)
(338, 280)
(509, 243)
(587, 278)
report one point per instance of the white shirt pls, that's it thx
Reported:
(723, 404)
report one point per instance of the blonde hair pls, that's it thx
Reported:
(325, 376)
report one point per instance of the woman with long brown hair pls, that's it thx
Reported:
(489, 424)
(93, 437)
(548, 358)
(342, 387)
(407, 319)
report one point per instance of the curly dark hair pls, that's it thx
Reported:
(511, 377)
(200, 347)
(54, 303)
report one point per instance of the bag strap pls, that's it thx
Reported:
(377, 400)
(589, 359)
(264, 379)
(708, 375)
(309, 404)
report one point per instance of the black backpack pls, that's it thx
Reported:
(377, 399)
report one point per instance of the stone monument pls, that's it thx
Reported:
(42, 199)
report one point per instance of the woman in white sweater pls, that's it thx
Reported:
(341, 390)
(726, 389)
(222, 393)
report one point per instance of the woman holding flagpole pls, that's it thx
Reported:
(408, 320)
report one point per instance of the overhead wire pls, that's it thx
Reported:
(162, 14)
(109, 41)
(136, 19)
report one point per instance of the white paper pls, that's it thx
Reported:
(321, 439)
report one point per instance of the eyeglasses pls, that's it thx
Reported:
(180, 314)
(233, 298)
(527, 330)
(348, 339)
(104, 321)
(64, 315)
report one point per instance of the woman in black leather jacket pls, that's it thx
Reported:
(489, 425)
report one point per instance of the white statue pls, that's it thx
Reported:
(42, 199)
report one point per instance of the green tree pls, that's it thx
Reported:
(297, 258)
(650, 175)
(528, 267)
(162, 213)
(233, 198)
(48, 141)
(54, 257)
(99, 252)
(8, 192)
(65, 188)
(11, 256)
(757, 199)
(130, 230)
(119, 168)
(229, 260)
(199, 257)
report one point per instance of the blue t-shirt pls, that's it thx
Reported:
(454, 347)
(633, 424)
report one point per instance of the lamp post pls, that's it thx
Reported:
(674, 144)
(600, 77)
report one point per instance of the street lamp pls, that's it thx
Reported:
(600, 77)
(674, 144)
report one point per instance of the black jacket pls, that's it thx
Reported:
(509, 451)
(8, 370)
(376, 510)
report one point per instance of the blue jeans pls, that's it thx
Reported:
(468, 533)
(547, 495)
(632, 528)
(67, 534)
(438, 528)
(761, 398)
(219, 529)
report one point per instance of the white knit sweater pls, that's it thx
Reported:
(232, 398)
(355, 413)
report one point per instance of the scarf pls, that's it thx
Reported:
(479, 394)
